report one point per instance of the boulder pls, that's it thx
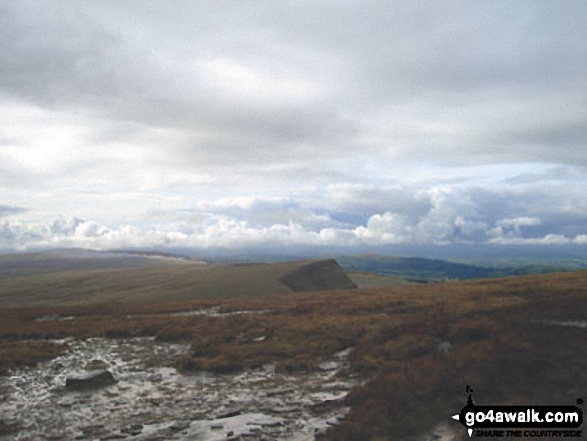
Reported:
(90, 380)
(444, 347)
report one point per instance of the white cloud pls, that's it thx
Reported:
(549, 239)
(388, 228)
(313, 123)
(518, 222)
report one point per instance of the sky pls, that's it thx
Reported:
(222, 124)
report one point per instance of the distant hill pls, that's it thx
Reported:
(158, 280)
(425, 270)
(59, 260)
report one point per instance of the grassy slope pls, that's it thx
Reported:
(159, 283)
(369, 280)
(32, 264)
(502, 342)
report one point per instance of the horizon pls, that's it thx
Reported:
(563, 256)
(220, 127)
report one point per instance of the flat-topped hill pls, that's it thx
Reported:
(160, 282)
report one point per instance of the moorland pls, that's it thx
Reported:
(515, 340)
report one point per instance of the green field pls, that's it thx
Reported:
(417, 269)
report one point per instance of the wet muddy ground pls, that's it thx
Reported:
(152, 401)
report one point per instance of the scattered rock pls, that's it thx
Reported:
(329, 366)
(178, 426)
(151, 401)
(285, 409)
(228, 414)
(328, 404)
(155, 401)
(133, 430)
(113, 436)
(156, 378)
(90, 380)
(277, 392)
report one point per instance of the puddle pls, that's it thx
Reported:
(215, 311)
(55, 318)
(152, 401)
(569, 323)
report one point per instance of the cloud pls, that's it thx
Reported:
(7, 210)
(444, 215)
(300, 122)
(280, 80)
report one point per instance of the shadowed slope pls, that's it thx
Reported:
(318, 276)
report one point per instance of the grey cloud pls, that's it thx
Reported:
(448, 215)
(76, 62)
(8, 210)
(557, 173)
(359, 201)
(142, 62)
(563, 143)
(264, 212)
(317, 112)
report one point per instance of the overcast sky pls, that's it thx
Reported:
(231, 124)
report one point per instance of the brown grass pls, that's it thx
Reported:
(501, 345)
(27, 353)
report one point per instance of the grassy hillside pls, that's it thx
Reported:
(164, 283)
(518, 340)
(370, 280)
(56, 261)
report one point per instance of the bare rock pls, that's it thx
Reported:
(90, 380)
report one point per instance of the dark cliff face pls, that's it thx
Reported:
(315, 276)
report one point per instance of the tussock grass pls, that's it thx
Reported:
(501, 343)
(27, 353)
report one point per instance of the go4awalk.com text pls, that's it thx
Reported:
(521, 421)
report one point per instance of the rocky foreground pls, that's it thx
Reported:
(150, 400)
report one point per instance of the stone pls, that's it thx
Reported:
(277, 392)
(285, 409)
(156, 378)
(178, 426)
(133, 430)
(228, 414)
(90, 380)
(113, 436)
(328, 366)
(444, 347)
